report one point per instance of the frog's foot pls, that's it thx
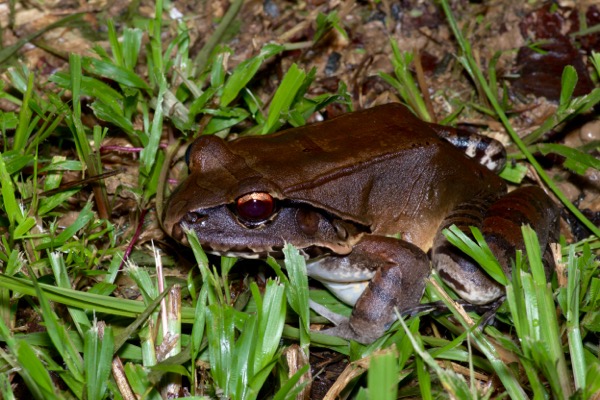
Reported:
(398, 284)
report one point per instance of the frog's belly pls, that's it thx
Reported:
(345, 281)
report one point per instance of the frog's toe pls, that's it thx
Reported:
(343, 328)
(335, 318)
(345, 331)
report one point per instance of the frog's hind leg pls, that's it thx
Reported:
(500, 221)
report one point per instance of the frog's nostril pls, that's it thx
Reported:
(192, 218)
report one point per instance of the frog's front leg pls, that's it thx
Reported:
(500, 222)
(397, 272)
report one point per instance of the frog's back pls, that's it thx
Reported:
(343, 142)
(387, 142)
(381, 167)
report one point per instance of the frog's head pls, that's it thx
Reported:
(235, 211)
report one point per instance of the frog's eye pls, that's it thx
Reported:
(255, 207)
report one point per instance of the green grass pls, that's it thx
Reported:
(188, 331)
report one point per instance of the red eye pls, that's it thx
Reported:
(255, 207)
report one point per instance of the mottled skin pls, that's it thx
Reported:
(341, 188)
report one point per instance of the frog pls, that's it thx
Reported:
(365, 197)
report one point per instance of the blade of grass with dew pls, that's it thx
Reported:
(382, 376)
(6, 391)
(22, 133)
(424, 379)
(271, 318)
(59, 269)
(405, 83)
(27, 365)
(15, 162)
(137, 380)
(405, 349)
(241, 365)
(510, 382)
(83, 219)
(145, 283)
(479, 251)
(142, 318)
(108, 104)
(327, 22)
(572, 313)
(198, 327)
(86, 155)
(224, 119)
(149, 154)
(84, 300)
(12, 209)
(8, 120)
(283, 98)
(291, 389)
(513, 172)
(226, 264)
(215, 294)
(471, 66)
(97, 356)
(113, 72)
(221, 339)
(532, 307)
(297, 290)
(245, 71)
(454, 384)
(73, 376)
(577, 161)
(147, 336)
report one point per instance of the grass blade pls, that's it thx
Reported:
(284, 96)
(382, 379)
(98, 350)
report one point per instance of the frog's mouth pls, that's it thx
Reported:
(244, 252)
(309, 253)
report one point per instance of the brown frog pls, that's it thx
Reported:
(342, 191)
